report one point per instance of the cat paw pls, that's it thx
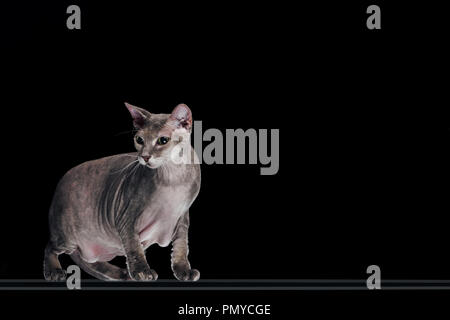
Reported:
(186, 274)
(143, 274)
(55, 275)
(124, 275)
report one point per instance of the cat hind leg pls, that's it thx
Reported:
(52, 267)
(101, 270)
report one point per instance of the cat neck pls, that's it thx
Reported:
(171, 172)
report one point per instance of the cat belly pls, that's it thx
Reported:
(156, 226)
(159, 221)
(157, 232)
(92, 252)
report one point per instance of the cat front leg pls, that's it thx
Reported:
(137, 265)
(180, 264)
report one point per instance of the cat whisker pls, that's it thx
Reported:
(133, 171)
(124, 132)
(124, 168)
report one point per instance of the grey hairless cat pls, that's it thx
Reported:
(122, 204)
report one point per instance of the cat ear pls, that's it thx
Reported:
(139, 115)
(181, 117)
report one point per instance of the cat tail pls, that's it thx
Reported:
(100, 270)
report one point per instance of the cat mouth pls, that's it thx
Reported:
(148, 164)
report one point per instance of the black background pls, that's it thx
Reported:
(364, 155)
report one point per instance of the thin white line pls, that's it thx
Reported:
(406, 281)
(309, 288)
(228, 285)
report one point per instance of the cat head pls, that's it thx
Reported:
(158, 135)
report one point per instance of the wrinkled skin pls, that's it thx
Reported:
(122, 204)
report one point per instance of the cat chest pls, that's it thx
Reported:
(160, 217)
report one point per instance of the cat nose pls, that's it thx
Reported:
(146, 158)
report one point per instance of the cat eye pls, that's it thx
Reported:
(162, 140)
(139, 140)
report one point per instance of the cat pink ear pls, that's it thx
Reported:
(181, 117)
(140, 116)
